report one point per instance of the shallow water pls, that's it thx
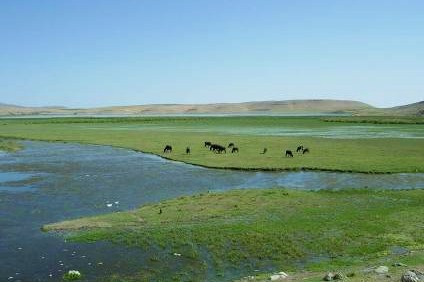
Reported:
(351, 131)
(13, 176)
(49, 182)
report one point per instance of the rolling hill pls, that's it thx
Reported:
(14, 110)
(262, 107)
(415, 109)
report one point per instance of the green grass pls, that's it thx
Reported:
(377, 120)
(10, 145)
(228, 235)
(251, 134)
(267, 229)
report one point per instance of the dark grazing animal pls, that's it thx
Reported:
(220, 149)
(264, 151)
(304, 151)
(213, 147)
(167, 149)
(289, 153)
(299, 148)
(230, 145)
(217, 148)
(188, 150)
(235, 150)
(208, 144)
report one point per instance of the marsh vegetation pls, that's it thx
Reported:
(266, 229)
(9, 145)
(334, 146)
(206, 233)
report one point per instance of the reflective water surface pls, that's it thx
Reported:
(330, 131)
(49, 182)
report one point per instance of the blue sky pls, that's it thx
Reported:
(82, 53)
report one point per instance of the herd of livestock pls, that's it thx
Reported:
(219, 149)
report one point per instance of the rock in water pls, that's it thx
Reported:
(329, 276)
(279, 276)
(381, 270)
(409, 276)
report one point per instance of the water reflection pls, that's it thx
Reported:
(49, 182)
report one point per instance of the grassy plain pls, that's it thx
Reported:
(251, 135)
(270, 229)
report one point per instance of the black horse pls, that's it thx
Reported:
(289, 153)
(208, 144)
(220, 149)
(188, 151)
(167, 149)
(216, 148)
(213, 147)
(304, 151)
(230, 145)
(235, 150)
(299, 148)
(264, 151)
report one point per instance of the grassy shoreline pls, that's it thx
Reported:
(10, 146)
(376, 120)
(263, 229)
(366, 155)
(264, 169)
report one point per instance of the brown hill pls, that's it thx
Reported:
(263, 107)
(288, 107)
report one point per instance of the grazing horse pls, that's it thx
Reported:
(300, 148)
(230, 145)
(167, 149)
(213, 147)
(264, 151)
(235, 150)
(220, 149)
(289, 153)
(208, 144)
(217, 148)
(188, 150)
(304, 151)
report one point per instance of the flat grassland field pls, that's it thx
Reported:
(303, 232)
(338, 145)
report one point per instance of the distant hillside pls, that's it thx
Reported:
(265, 107)
(13, 110)
(415, 109)
(261, 107)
